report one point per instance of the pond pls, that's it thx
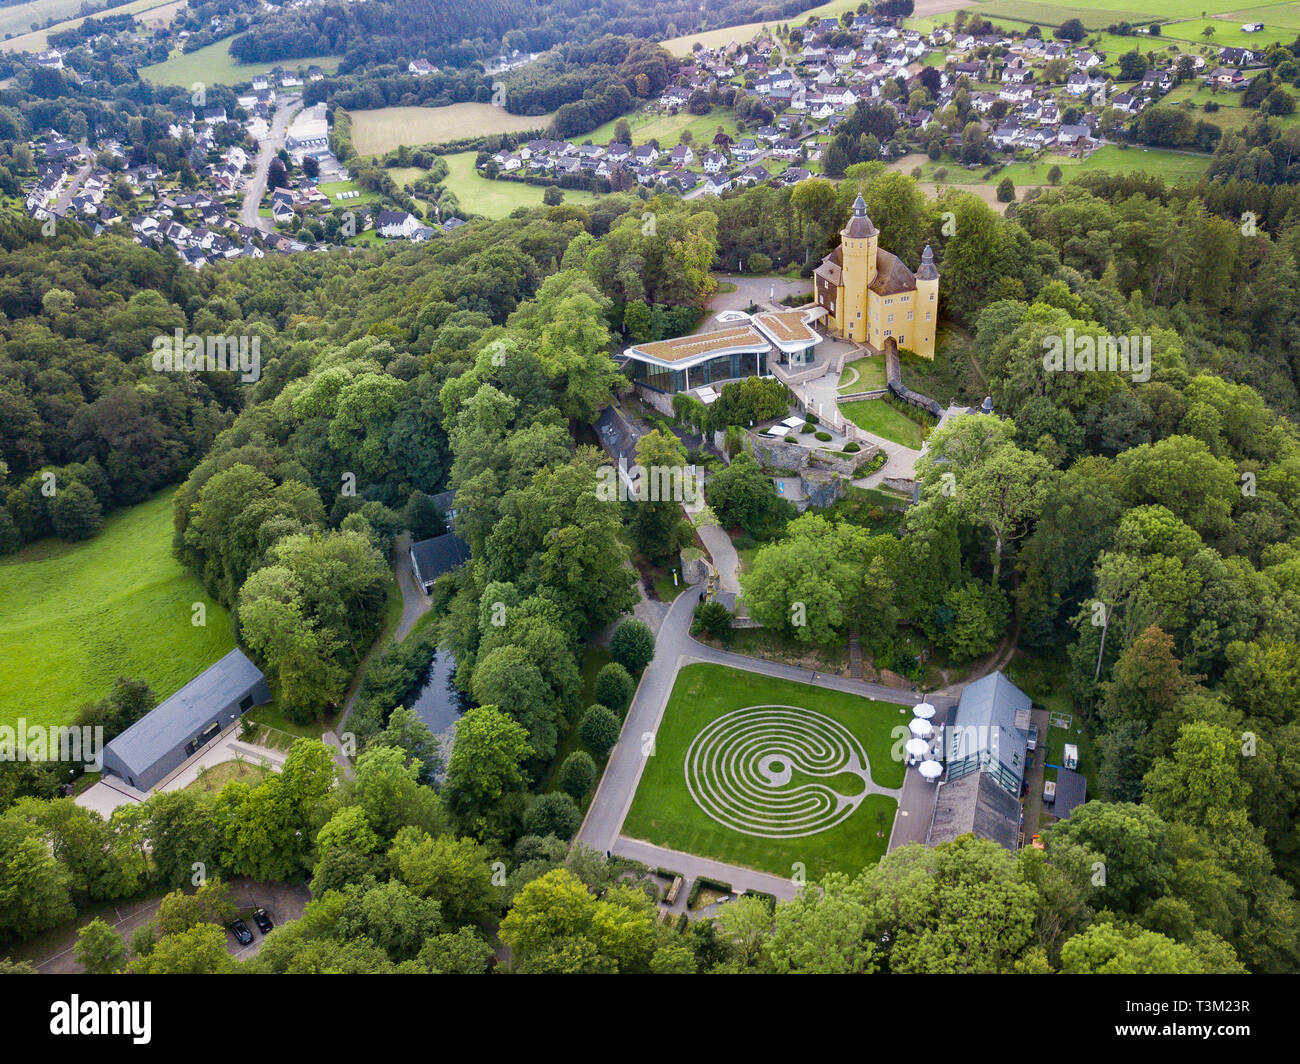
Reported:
(440, 703)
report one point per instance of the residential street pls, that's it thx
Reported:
(256, 186)
(65, 197)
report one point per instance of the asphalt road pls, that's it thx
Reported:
(256, 186)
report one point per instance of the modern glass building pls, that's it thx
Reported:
(741, 348)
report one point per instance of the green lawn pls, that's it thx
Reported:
(333, 188)
(74, 617)
(214, 65)
(863, 375)
(496, 199)
(217, 776)
(667, 130)
(880, 419)
(1173, 166)
(665, 813)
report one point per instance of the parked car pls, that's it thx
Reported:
(240, 930)
(1033, 738)
(262, 920)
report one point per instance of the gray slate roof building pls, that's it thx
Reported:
(975, 804)
(1071, 791)
(430, 558)
(161, 741)
(990, 731)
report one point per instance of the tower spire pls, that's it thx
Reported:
(927, 272)
(859, 225)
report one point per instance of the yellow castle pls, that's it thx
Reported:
(871, 296)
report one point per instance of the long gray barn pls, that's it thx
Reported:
(160, 741)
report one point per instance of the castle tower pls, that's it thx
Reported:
(927, 305)
(858, 243)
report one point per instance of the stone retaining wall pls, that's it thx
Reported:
(659, 400)
(794, 457)
(907, 487)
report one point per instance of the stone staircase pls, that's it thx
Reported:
(855, 656)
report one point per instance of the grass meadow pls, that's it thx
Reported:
(75, 616)
(214, 65)
(496, 199)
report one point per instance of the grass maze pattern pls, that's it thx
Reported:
(762, 771)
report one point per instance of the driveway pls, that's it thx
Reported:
(415, 603)
(110, 792)
(754, 291)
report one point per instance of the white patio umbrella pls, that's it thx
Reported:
(923, 710)
(922, 729)
(916, 747)
(931, 770)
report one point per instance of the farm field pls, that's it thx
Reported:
(743, 32)
(880, 419)
(19, 18)
(1228, 31)
(766, 721)
(496, 199)
(380, 130)
(1181, 20)
(214, 65)
(1100, 14)
(75, 616)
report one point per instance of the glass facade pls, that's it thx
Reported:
(722, 368)
(656, 377)
(806, 357)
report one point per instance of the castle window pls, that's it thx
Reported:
(927, 315)
(909, 315)
(891, 318)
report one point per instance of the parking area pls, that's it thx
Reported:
(282, 901)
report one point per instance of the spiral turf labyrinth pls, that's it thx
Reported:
(749, 771)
